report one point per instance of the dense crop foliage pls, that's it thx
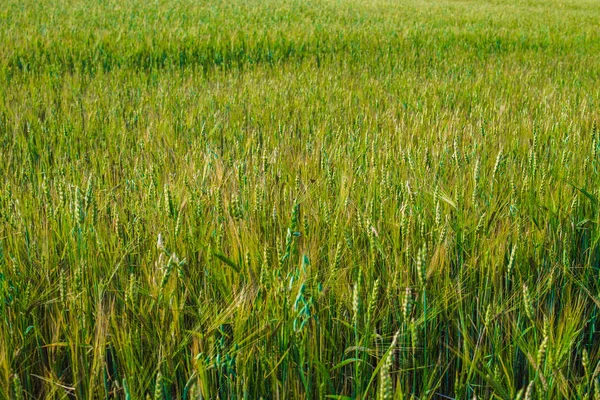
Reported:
(299, 199)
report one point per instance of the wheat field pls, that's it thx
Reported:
(299, 199)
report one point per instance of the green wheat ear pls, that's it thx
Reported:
(373, 302)
(79, 212)
(527, 303)
(169, 204)
(385, 385)
(355, 304)
(17, 388)
(158, 389)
